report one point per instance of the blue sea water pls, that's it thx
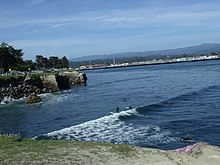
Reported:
(174, 105)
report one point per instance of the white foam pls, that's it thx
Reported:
(58, 97)
(112, 129)
(6, 100)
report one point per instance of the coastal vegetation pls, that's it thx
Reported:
(11, 59)
(52, 62)
(16, 150)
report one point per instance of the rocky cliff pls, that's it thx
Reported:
(59, 81)
(75, 77)
(38, 84)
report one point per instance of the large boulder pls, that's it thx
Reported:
(33, 98)
(50, 82)
(75, 77)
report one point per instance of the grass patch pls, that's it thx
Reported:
(119, 149)
(38, 75)
(15, 150)
(123, 149)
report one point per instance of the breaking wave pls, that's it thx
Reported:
(112, 129)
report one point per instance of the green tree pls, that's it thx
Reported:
(42, 62)
(54, 61)
(26, 66)
(39, 61)
(9, 56)
(45, 63)
(65, 62)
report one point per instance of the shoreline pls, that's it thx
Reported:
(32, 85)
(146, 64)
(15, 150)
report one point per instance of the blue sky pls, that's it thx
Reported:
(76, 28)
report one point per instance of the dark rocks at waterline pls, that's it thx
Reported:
(1, 97)
(19, 91)
(33, 98)
(42, 84)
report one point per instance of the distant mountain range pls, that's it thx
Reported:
(198, 49)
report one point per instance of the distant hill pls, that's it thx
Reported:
(198, 49)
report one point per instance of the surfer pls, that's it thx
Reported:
(168, 103)
(117, 110)
(130, 107)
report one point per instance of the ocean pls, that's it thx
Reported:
(173, 105)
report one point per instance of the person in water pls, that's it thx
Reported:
(117, 110)
(130, 107)
(168, 103)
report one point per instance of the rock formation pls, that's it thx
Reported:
(42, 84)
(33, 98)
(75, 77)
(19, 91)
(49, 82)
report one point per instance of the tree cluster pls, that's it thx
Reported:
(11, 58)
(52, 62)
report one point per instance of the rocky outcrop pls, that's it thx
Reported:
(49, 82)
(62, 82)
(75, 77)
(57, 82)
(42, 84)
(19, 91)
(33, 98)
(36, 81)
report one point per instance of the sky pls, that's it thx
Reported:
(76, 28)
